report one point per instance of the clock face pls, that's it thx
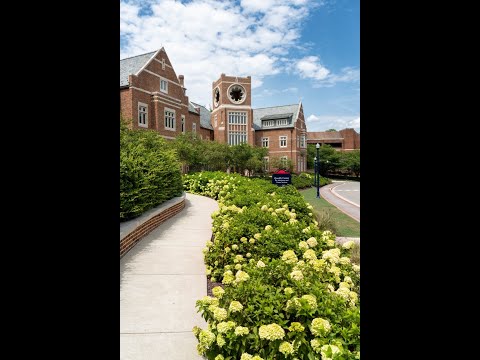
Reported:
(237, 94)
(216, 97)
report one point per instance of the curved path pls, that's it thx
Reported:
(161, 278)
(345, 205)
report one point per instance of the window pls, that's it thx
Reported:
(282, 122)
(142, 114)
(283, 141)
(265, 142)
(236, 93)
(269, 123)
(215, 122)
(163, 64)
(302, 141)
(266, 165)
(298, 141)
(194, 127)
(237, 127)
(283, 160)
(169, 119)
(164, 85)
(183, 124)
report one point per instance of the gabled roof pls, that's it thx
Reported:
(324, 135)
(275, 111)
(132, 65)
(204, 115)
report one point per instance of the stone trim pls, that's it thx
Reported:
(132, 231)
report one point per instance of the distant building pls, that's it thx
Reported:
(345, 140)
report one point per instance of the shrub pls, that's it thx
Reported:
(290, 291)
(326, 221)
(149, 172)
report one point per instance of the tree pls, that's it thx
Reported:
(217, 156)
(282, 164)
(190, 150)
(329, 130)
(330, 159)
(351, 162)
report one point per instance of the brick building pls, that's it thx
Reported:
(155, 98)
(281, 129)
(345, 140)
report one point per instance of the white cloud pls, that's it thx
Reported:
(310, 67)
(325, 122)
(205, 38)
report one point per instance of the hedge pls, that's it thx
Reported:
(149, 172)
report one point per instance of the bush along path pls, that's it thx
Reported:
(288, 290)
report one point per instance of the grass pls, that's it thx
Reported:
(344, 225)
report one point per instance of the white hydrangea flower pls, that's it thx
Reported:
(312, 242)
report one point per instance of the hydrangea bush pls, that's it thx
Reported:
(290, 292)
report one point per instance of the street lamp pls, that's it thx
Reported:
(318, 170)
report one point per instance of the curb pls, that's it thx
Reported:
(341, 197)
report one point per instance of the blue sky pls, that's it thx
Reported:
(293, 49)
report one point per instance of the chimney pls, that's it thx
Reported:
(180, 79)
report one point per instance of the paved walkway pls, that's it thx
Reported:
(161, 278)
(348, 208)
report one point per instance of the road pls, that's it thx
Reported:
(348, 190)
(349, 204)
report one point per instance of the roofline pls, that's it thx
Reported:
(131, 57)
(199, 105)
(275, 106)
(298, 110)
(149, 61)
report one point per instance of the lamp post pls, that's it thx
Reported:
(318, 171)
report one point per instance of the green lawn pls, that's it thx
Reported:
(344, 224)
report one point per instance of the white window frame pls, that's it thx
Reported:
(302, 141)
(237, 127)
(269, 123)
(183, 124)
(165, 119)
(267, 141)
(282, 122)
(284, 161)
(140, 104)
(194, 127)
(163, 80)
(283, 138)
(266, 163)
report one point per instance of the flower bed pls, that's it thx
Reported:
(288, 290)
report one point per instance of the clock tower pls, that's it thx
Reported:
(232, 115)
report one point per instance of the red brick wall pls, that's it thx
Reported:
(146, 89)
(206, 134)
(292, 151)
(351, 139)
(129, 241)
(126, 103)
(223, 83)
